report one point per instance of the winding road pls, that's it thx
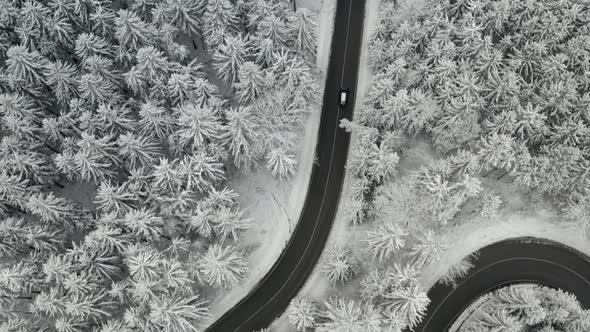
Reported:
(274, 292)
(519, 260)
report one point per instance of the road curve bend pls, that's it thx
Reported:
(518, 260)
(273, 293)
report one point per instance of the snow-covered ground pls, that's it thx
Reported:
(470, 237)
(274, 205)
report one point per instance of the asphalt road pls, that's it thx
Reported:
(523, 260)
(272, 295)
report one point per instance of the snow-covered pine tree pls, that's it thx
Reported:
(63, 79)
(131, 31)
(185, 15)
(176, 312)
(229, 57)
(303, 314)
(222, 267)
(198, 125)
(385, 240)
(303, 31)
(339, 266)
(280, 163)
(251, 82)
(242, 138)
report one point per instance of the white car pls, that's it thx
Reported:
(343, 97)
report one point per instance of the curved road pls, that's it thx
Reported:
(519, 260)
(272, 295)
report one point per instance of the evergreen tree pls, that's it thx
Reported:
(102, 21)
(184, 14)
(229, 57)
(111, 198)
(342, 315)
(197, 126)
(251, 82)
(302, 314)
(280, 163)
(428, 248)
(152, 64)
(51, 209)
(303, 29)
(219, 14)
(385, 240)
(26, 65)
(339, 266)
(409, 303)
(138, 150)
(177, 313)
(89, 44)
(222, 267)
(97, 90)
(131, 31)
(228, 223)
(241, 137)
(62, 77)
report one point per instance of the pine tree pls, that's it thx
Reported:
(409, 303)
(112, 198)
(14, 191)
(185, 14)
(499, 320)
(241, 137)
(273, 28)
(303, 31)
(339, 266)
(251, 82)
(51, 209)
(201, 171)
(131, 31)
(385, 240)
(456, 272)
(175, 312)
(25, 65)
(97, 90)
(144, 224)
(102, 21)
(165, 175)
(93, 306)
(229, 223)
(222, 267)
(428, 248)
(302, 314)
(154, 120)
(62, 77)
(229, 57)
(219, 14)
(138, 150)
(198, 126)
(90, 166)
(152, 64)
(342, 315)
(89, 44)
(280, 163)
(180, 88)
(490, 205)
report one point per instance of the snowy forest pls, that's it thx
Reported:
(528, 308)
(476, 110)
(145, 106)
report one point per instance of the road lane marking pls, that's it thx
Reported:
(346, 43)
(496, 263)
